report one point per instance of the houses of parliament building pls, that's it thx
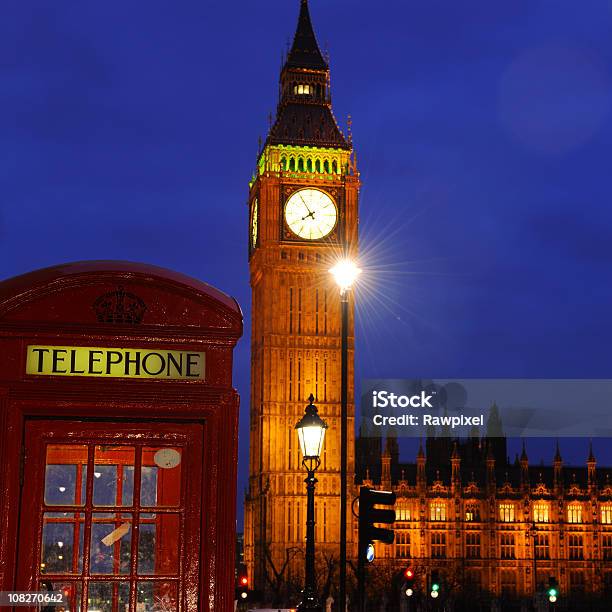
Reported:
(495, 528)
(489, 525)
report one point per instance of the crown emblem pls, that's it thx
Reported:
(119, 306)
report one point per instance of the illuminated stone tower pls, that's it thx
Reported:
(303, 202)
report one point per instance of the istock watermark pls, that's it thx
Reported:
(491, 407)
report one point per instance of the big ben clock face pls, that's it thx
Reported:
(311, 214)
(254, 224)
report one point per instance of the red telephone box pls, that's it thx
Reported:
(118, 438)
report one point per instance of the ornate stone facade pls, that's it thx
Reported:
(489, 525)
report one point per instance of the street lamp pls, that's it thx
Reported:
(345, 273)
(311, 434)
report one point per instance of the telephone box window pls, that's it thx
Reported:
(113, 482)
(64, 482)
(111, 536)
(60, 552)
(153, 559)
(153, 596)
(110, 504)
(101, 595)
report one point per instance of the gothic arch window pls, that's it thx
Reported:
(300, 164)
(318, 165)
(402, 544)
(540, 512)
(284, 162)
(437, 511)
(472, 513)
(574, 513)
(309, 165)
(292, 164)
(334, 167)
(295, 88)
(326, 166)
(506, 513)
(403, 511)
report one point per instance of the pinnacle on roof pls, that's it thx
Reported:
(421, 454)
(305, 52)
(558, 454)
(455, 454)
(591, 458)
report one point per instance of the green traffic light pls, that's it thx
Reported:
(435, 587)
(552, 592)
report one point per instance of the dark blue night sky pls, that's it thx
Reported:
(483, 132)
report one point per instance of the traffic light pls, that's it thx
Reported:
(242, 587)
(434, 584)
(369, 515)
(553, 589)
(409, 582)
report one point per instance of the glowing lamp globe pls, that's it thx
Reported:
(311, 432)
(345, 273)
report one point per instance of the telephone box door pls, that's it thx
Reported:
(111, 514)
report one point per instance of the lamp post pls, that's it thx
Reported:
(345, 273)
(311, 433)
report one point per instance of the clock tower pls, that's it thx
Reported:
(303, 216)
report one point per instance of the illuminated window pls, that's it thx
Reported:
(437, 511)
(506, 513)
(472, 513)
(438, 545)
(302, 90)
(574, 513)
(472, 545)
(540, 513)
(576, 548)
(507, 545)
(402, 541)
(542, 546)
(402, 511)
(606, 514)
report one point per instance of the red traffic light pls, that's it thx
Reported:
(408, 573)
(244, 581)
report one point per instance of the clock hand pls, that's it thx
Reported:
(310, 214)
(306, 205)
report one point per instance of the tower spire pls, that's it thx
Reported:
(305, 52)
